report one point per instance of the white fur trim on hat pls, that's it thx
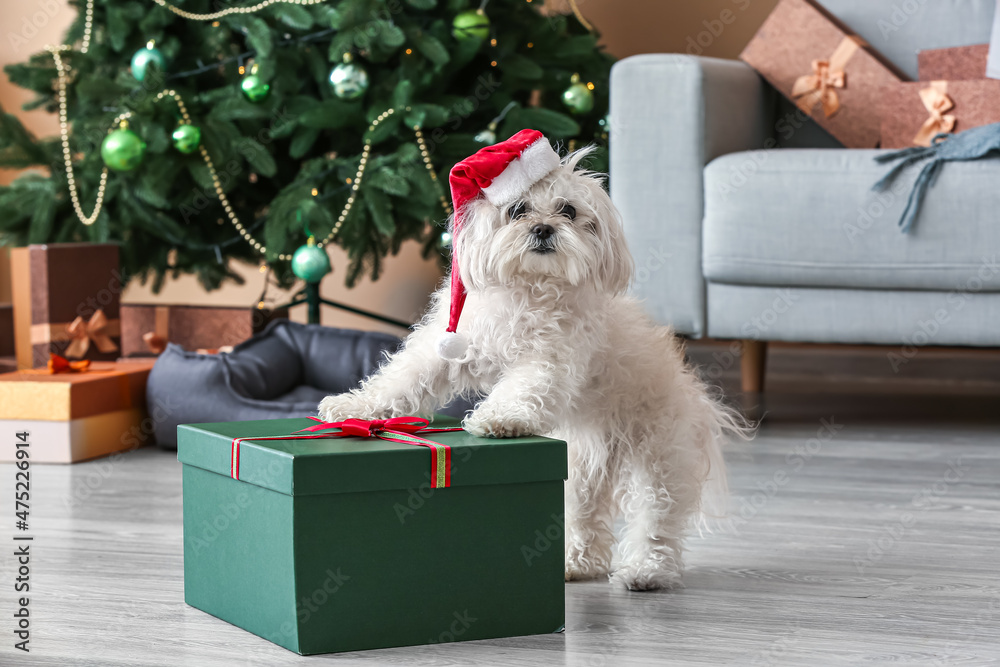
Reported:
(534, 164)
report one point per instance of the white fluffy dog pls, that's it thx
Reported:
(558, 350)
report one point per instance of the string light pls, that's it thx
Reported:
(252, 9)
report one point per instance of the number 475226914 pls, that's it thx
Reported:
(21, 477)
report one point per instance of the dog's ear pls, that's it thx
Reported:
(577, 156)
(472, 246)
(616, 267)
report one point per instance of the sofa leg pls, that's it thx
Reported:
(752, 362)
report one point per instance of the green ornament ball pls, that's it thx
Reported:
(142, 59)
(254, 87)
(349, 80)
(186, 138)
(122, 150)
(578, 98)
(470, 24)
(310, 263)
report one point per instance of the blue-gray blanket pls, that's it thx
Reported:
(968, 145)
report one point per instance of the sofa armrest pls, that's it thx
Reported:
(670, 115)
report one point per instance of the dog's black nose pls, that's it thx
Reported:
(542, 231)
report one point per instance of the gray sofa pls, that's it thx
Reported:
(789, 244)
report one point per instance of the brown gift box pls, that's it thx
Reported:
(828, 72)
(6, 330)
(146, 329)
(77, 416)
(65, 301)
(912, 113)
(956, 64)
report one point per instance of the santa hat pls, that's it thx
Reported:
(502, 173)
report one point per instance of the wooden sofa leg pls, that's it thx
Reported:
(752, 363)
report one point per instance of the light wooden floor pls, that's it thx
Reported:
(877, 543)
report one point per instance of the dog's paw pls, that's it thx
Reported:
(581, 570)
(487, 423)
(346, 406)
(648, 575)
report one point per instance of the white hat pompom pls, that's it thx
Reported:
(452, 345)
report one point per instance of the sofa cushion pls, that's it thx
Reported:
(808, 218)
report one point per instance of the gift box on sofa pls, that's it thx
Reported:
(335, 544)
(914, 113)
(66, 298)
(956, 63)
(828, 72)
(147, 328)
(74, 416)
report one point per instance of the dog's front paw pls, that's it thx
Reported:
(647, 575)
(347, 406)
(582, 567)
(486, 422)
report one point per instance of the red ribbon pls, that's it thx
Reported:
(398, 429)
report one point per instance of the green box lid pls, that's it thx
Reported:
(351, 465)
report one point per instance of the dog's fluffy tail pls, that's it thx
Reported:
(720, 423)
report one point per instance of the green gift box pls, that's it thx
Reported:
(339, 544)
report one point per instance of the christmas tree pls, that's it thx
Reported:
(195, 131)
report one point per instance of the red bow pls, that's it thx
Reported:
(397, 429)
(369, 429)
(58, 364)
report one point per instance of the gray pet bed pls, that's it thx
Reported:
(284, 371)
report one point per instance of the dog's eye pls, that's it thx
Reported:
(569, 211)
(517, 210)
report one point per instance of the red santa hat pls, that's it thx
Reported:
(502, 173)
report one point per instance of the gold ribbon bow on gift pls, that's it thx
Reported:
(827, 76)
(82, 332)
(937, 102)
